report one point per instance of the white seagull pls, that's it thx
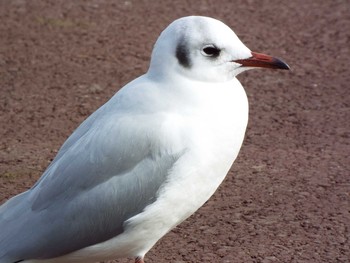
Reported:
(146, 160)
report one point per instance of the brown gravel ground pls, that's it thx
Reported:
(286, 199)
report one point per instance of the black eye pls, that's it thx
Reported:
(210, 51)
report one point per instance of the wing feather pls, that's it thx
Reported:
(105, 175)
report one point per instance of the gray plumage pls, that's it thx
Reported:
(110, 175)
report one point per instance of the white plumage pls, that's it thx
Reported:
(146, 160)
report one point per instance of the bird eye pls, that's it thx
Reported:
(210, 51)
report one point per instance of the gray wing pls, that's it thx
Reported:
(102, 178)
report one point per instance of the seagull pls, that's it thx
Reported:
(144, 161)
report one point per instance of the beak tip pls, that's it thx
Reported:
(282, 65)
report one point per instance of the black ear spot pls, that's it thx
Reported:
(182, 55)
(211, 51)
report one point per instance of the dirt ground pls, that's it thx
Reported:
(286, 198)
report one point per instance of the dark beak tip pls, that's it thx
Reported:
(280, 64)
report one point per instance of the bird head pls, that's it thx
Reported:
(205, 49)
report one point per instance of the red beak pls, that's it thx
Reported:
(258, 60)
